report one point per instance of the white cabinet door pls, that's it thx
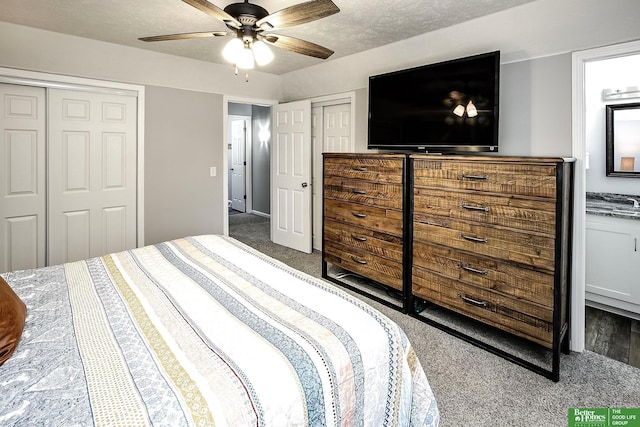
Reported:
(22, 177)
(92, 174)
(291, 176)
(613, 261)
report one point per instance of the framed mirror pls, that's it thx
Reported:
(623, 140)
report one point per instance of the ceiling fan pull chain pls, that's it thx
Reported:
(246, 77)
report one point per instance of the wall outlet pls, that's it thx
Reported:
(212, 171)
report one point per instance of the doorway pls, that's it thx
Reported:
(579, 137)
(340, 111)
(248, 140)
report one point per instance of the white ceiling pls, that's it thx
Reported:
(360, 25)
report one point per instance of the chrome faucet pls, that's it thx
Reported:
(635, 202)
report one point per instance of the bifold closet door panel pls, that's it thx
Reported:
(92, 174)
(22, 177)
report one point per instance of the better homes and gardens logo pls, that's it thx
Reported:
(604, 417)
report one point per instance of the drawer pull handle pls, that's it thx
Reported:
(358, 215)
(358, 238)
(476, 177)
(358, 192)
(474, 239)
(359, 261)
(472, 301)
(473, 270)
(359, 168)
(475, 208)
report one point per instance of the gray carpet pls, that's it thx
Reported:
(474, 387)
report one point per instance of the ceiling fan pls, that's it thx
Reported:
(249, 24)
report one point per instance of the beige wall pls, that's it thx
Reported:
(183, 139)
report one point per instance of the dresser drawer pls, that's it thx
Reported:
(515, 212)
(374, 242)
(366, 216)
(487, 273)
(527, 320)
(381, 170)
(364, 192)
(521, 178)
(525, 248)
(365, 263)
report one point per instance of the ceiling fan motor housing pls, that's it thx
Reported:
(247, 14)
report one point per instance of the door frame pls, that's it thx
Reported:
(578, 151)
(50, 80)
(226, 99)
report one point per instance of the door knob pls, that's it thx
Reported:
(304, 185)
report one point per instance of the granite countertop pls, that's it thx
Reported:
(616, 205)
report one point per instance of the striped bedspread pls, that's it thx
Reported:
(204, 331)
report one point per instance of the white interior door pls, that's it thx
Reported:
(291, 157)
(92, 174)
(330, 132)
(22, 177)
(238, 131)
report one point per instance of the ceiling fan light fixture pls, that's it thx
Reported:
(262, 53)
(232, 50)
(245, 59)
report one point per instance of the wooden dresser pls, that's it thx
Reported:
(491, 241)
(363, 226)
(487, 237)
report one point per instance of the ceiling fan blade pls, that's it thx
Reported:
(298, 14)
(183, 36)
(297, 45)
(213, 10)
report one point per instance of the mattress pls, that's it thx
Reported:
(205, 331)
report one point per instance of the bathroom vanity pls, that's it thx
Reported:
(613, 252)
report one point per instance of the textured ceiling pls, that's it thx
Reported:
(360, 25)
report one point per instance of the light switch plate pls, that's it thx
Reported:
(212, 171)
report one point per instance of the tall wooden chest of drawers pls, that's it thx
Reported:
(363, 224)
(490, 240)
(487, 237)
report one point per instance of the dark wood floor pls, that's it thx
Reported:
(613, 336)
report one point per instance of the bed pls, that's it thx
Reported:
(204, 331)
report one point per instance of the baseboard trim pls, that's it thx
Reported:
(614, 310)
(262, 214)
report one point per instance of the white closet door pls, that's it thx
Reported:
(330, 133)
(22, 177)
(92, 174)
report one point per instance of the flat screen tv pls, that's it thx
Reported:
(448, 107)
